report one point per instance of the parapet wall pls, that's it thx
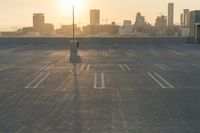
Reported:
(103, 40)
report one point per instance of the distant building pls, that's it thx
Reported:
(182, 20)
(127, 23)
(140, 20)
(38, 21)
(126, 29)
(94, 17)
(171, 14)
(161, 22)
(185, 18)
(195, 26)
(67, 30)
(113, 23)
(48, 29)
(101, 30)
(9, 33)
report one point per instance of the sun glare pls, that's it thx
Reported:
(66, 6)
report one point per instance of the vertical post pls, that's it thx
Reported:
(73, 24)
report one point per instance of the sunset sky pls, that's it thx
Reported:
(19, 12)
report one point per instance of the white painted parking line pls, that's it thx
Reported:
(130, 52)
(95, 80)
(5, 67)
(121, 113)
(49, 67)
(196, 65)
(127, 67)
(83, 66)
(42, 68)
(177, 53)
(170, 86)
(46, 67)
(103, 86)
(28, 86)
(124, 67)
(103, 80)
(105, 53)
(161, 67)
(42, 80)
(167, 67)
(88, 67)
(35, 83)
(158, 79)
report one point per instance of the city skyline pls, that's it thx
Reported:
(55, 14)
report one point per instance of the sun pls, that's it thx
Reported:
(66, 6)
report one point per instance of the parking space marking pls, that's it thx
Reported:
(177, 53)
(170, 86)
(130, 52)
(83, 66)
(5, 67)
(36, 82)
(120, 65)
(49, 67)
(124, 67)
(196, 65)
(158, 79)
(103, 86)
(28, 86)
(163, 67)
(42, 80)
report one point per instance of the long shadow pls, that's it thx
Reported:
(77, 126)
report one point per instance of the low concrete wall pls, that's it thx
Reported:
(105, 40)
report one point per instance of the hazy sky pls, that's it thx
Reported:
(19, 12)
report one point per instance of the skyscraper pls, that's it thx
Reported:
(170, 14)
(94, 17)
(38, 21)
(182, 20)
(186, 17)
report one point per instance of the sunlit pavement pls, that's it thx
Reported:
(129, 88)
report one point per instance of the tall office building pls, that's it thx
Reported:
(38, 21)
(170, 14)
(182, 20)
(195, 26)
(94, 17)
(186, 17)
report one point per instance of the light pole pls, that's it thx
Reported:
(74, 57)
(73, 22)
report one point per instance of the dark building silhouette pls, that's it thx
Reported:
(195, 26)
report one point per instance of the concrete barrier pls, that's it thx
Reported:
(103, 40)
